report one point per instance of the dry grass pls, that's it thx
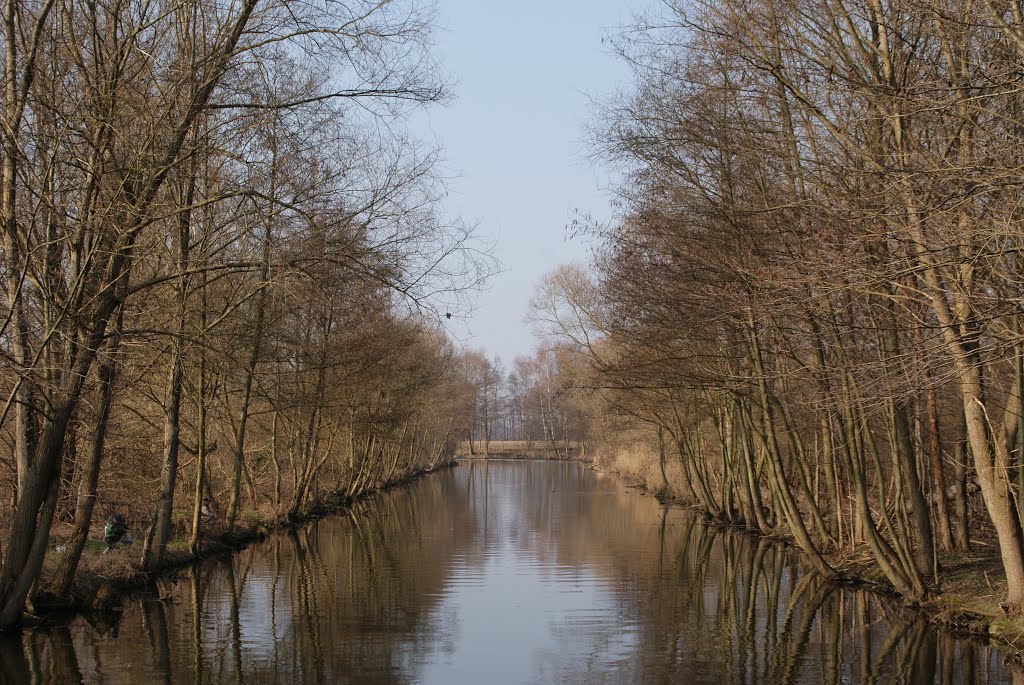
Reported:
(116, 564)
(636, 462)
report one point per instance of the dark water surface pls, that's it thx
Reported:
(503, 572)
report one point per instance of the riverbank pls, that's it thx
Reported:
(513, 457)
(103, 580)
(970, 585)
(520, 449)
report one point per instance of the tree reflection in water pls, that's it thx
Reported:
(631, 593)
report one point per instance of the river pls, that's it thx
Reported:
(503, 572)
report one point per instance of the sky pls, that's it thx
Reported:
(513, 141)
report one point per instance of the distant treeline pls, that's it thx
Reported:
(528, 409)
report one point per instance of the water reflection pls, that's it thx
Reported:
(503, 573)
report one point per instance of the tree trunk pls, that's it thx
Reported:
(159, 532)
(33, 515)
(961, 505)
(197, 503)
(790, 509)
(238, 448)
(67, 563)
(938, 473)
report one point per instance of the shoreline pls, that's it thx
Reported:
(93, 593)
(947, 611)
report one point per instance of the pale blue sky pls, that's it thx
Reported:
(514, 135)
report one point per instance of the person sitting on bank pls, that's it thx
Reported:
(206, 511)
(115, 532)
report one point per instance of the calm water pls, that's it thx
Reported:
(503, 572)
